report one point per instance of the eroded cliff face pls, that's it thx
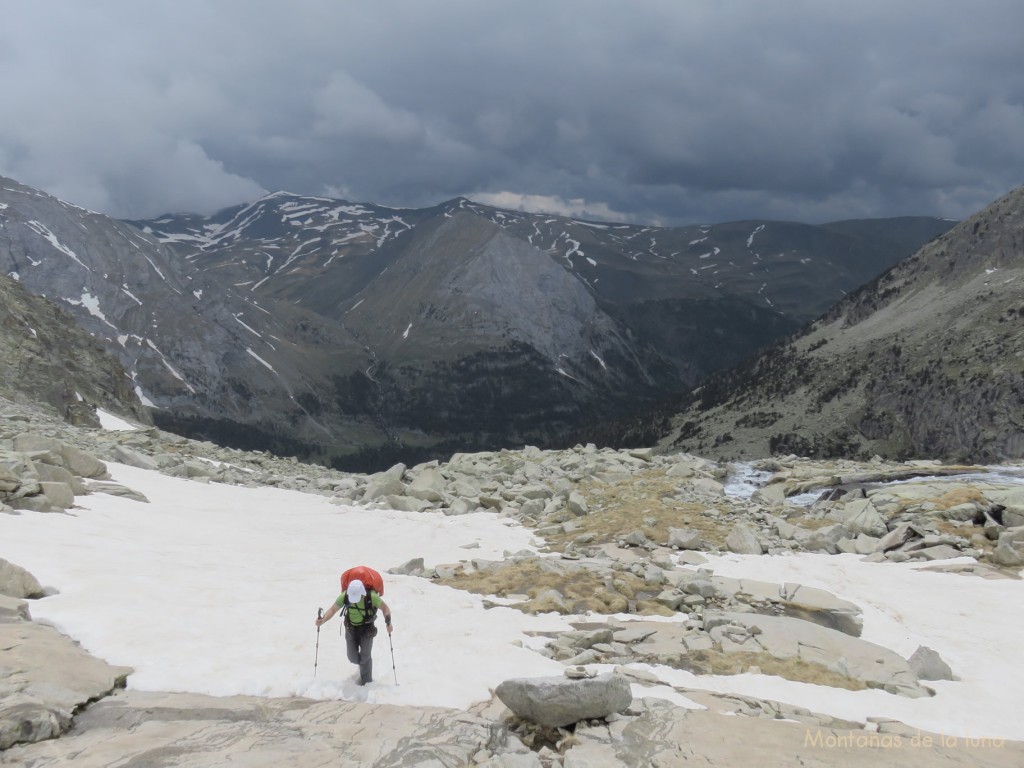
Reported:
(927, 360)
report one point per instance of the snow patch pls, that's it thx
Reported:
(92, 306)
(40, 229)
(130, 295)
(750, 240)
(247, 327)
(261, 360)
(114, 423)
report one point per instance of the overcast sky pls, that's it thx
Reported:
(662, 111)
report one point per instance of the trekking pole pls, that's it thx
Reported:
(319, 615)
(393, 658)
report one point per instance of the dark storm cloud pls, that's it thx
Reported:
(665, 112)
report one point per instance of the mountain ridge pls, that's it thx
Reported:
(253, 326)
(926, 360)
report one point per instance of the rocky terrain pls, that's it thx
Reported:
(627, 533)
(926, 360)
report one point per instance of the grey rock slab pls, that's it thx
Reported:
(939, 552)
(164, 729)
(665, 736)
(115, 489)
(582, 638)
(44, 677)
(784, 637)
(133, 458)
(798, 601)
(899, 536)
(558, 701)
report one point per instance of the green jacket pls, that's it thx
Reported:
(357, 612)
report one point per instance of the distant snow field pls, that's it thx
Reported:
(214, 589)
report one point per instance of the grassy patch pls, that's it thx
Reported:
(811, 523)
(644, 501)
(951, 498)
(582, 588)
(719, 663)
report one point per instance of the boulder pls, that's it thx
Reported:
(134, 458)
(76, 461)
(825, 539)
(928, 665)
(9, 481)
(556, 702)
(53, 474)
(707, 486)
(383, 485)
(428, 485)
(1006, 554)
(771, 495)
(16, 582)
(644, 454)
(860, 516)
(407, 503)
(898, 537)
(59, 495)
(577, 504)
(414, 567)
(684, 538)
(742, 540)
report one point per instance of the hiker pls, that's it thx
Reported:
(360, 611)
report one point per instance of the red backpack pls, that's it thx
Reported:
(371, 579)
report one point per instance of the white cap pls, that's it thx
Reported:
(356, 591)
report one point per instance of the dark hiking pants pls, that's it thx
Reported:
(359, 644)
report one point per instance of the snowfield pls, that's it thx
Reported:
(214, 589)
